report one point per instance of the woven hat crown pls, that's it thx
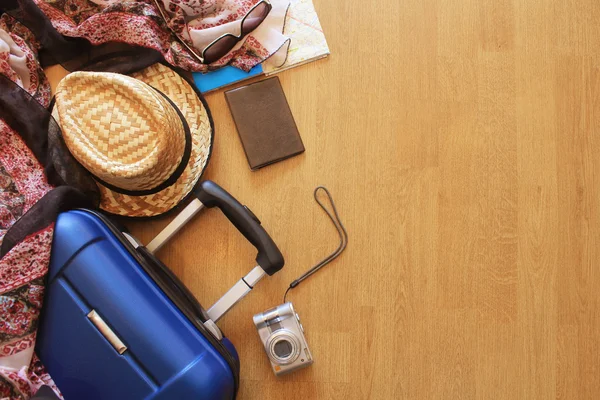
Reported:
(120, 129)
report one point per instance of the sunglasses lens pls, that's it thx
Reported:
(219, 48)
(252, 20)
(255, 17)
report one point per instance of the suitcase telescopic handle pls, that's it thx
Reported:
(269, 258)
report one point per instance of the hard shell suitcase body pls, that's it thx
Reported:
(117, 324)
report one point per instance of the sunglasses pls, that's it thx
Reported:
(224, 43)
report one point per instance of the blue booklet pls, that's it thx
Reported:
(222, 77)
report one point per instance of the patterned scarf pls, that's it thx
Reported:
(31, 196)
(198, 22)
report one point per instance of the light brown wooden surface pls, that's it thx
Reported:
(460, 141)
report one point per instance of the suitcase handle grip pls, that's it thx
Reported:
(269, 257)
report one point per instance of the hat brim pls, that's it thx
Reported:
(195, 111)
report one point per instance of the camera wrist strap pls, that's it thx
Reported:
(335, 219)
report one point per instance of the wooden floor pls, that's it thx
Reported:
(461, 142)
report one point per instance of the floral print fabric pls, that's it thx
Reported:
(22, 269)
(140, 23)
(18, 59)
(22, 184)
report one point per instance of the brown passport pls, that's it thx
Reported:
(264, 122)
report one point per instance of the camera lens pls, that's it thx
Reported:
(283, 348)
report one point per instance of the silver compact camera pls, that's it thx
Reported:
(282, 335)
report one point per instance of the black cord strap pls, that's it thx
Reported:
(341, 232)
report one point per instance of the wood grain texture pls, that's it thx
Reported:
(461, 142)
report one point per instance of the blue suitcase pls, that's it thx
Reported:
(117, 324)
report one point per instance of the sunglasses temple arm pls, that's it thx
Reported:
(175, 226)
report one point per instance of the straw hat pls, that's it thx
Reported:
(145, 138)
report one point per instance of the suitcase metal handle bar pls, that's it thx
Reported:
(269, 258)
